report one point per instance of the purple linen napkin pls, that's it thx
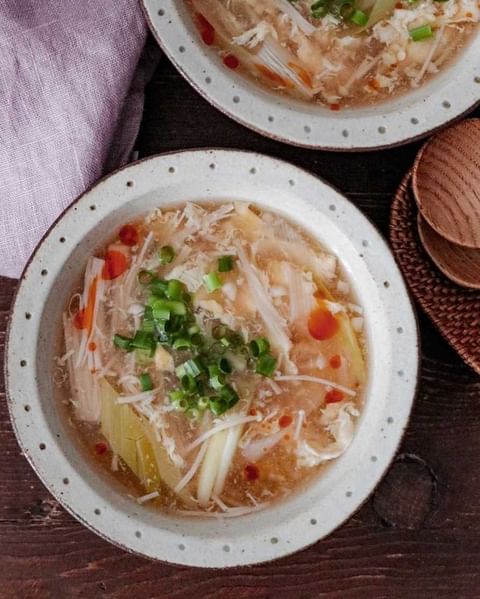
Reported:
(72, 77)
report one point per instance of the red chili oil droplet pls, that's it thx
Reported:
(92, 346)
(251, 472)
(335, 107)
(115, 265)
(101, 448)
(333, 396)
(79, 320)
(285, 420)
(322, 324)
(335, 361)
(128, 235)
(206, 30)
(208, 37)
(231, 61)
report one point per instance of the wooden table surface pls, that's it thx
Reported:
(417, 536)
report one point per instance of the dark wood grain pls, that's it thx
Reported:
(419, 535)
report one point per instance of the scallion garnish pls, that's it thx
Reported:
(225, 263)
(145, 382)
(217, 382)
(203, 402)
(224, 366)
(359, 18)
(218, 405)
(174, 289)
(421, 33)
(266, 365)
(259, 346)
(166, 254)
(124, 343)
(192, 367)
(212, 281)
(158, 287)
(182, 343)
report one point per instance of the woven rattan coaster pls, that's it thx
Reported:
(453, 309)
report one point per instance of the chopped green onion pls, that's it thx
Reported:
(213, 370)
(188, 383)
(161, 313)
(176, 395)
(192, 367)
(193, 413)
(193, 329)
(218, 405)
(196, 339)
(212, 281)
(224, 366)
(148, 326)
(266, 365)
(158, 287)
(342, 9)
(217, 382)
(145, 277)
(143, 340)
(319, 9)
(180, 370)
(160, 306)
(421, 33)
(229, 395)
(143, 356)
(123, 342)
(259, 346)
(203, 402)
(166, 254)
(225, 263)
(174, 289)
(225, 342)
(145, 382)
(359, 18)
(182, 343)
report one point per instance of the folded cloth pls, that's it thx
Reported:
(72, 78)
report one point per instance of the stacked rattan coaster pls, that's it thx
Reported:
(435, 234)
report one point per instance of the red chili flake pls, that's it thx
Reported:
(79, 320)
(335, 107)
(128, 235)
(251, 472)
(101, 448)
(253, 412)
(398, 5)
(285, 420)
(333, 396)
(115, 265)
(92, 346)
(335, 361)
(231, 61)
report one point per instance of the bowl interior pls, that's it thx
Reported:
(58, 266)
(402, 118)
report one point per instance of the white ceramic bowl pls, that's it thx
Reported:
(34, 329)
(444, 98)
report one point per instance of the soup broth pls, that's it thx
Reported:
(337, 52)
(214, 359)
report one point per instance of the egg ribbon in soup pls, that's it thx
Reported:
(337, 52)
(215, 358)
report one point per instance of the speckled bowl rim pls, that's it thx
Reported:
(122, 527)
(446, 98)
